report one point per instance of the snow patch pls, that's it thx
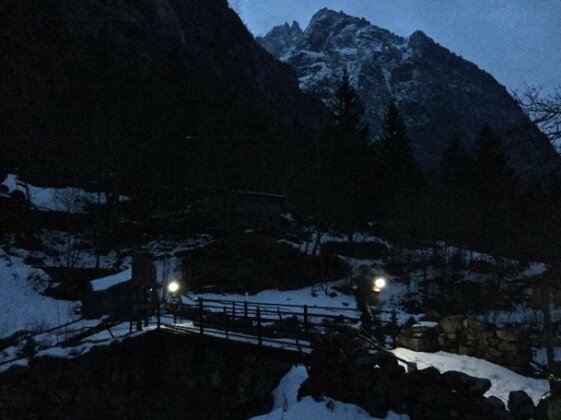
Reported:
(69, 200)
(105, 283)
(287, 407)
(503, 380)
(22, 304)
(318, 296)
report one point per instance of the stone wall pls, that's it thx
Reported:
(458, 334)
(155, 376)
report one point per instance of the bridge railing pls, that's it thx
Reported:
(265, 322)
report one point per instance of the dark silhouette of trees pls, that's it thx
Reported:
(495, 191)
(398, 177)
(456, 181)
(341, 159)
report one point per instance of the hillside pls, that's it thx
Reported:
(128, 81)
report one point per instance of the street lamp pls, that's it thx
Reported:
(173, 287)
(173, 302)
(379, 284)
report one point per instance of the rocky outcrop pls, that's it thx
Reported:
(155, 376)
(458, 334)
(521, 405)
(341, 368)
(419, 338)
(137, 76)
(440, 94)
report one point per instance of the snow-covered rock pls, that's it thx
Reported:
(503, 380)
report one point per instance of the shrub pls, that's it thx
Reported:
(359, 250)
(255, 263)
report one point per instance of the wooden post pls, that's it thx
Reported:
(201, 316)
(394, 328)
(139, 318)
(158, 310)
(306, 319)
(245, 313)
(226, 322)
(259, 332)
(143, 277)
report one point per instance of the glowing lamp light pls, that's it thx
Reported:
(379, 284)
(173, 287)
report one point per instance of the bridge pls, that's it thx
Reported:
(282, 326)
(273, 326)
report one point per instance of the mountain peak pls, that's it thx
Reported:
(282, 38)
(437, 91)
(331, 19)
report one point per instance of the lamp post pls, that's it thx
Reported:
(374, 287)
(379, 284)
(173, 288)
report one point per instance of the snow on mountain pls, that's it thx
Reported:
(22, 304)
(440, 94)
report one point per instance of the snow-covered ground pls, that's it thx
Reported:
(70, 200)
(326, 237)
(520, 314)
(22, 304)
(503, 380)
(105, 283)
(287, 407)
(48, 343)
(314, 297)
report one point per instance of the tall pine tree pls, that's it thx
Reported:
(397, 174)
(341, 160)
(348, 111)
(456, 176)
(496, 192)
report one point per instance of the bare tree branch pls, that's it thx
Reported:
(543, 109)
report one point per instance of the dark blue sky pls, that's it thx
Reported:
(515, 40)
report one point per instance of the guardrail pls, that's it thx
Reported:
(106, 324)
(289, 326)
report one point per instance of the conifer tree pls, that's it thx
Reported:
(455, 178)
(496, 191)
(348, 111)
(397, 173)
(395, 158)
(342, 159)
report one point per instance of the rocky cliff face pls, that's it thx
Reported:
(138, 74)
(440, 94)
(205, 36)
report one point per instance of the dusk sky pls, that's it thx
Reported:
(515, 40)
